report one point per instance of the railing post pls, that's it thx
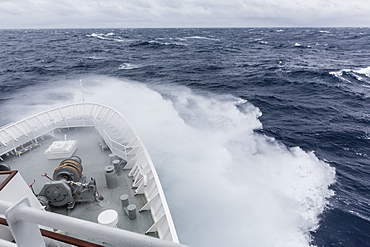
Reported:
(4, 243)
(23, 231)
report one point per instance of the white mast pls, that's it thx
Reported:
(82, 92)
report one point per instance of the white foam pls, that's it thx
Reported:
(100, 36)
(225, 185)
(108, 36)
(166, 43)
(355, 73)
(95, 58)
(128, 66)
(364, 71)
(339, 74)
(201, 37)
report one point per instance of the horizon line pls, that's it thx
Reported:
(205, 27)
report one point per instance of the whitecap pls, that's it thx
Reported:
(364, 71)
(356, 81)
(339, 74)
(166, 43)
(201, 37)
(357, 73)
(128, 66)
(99, 36)
(95, 58)
(107, 36)
(119, 40)
(361, 154)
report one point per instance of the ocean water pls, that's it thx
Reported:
(261, 137)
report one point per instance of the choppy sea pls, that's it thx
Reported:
(261, 137)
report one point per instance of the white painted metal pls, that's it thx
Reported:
(25, 233)
(111, 125)
(84, 229)
(4, 243)
(18, 184)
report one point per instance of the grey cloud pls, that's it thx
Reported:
(182, 13)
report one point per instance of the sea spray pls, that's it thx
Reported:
(225, 184)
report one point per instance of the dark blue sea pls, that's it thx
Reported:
(260, 136)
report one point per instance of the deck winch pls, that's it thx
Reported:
(68, 186)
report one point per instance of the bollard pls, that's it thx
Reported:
(124, 200)
(111, 177)
(111, 157)
(131, 211)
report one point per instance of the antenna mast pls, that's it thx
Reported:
(82, 92)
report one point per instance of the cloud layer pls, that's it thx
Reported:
(182, 13)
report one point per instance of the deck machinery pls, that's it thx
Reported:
(68, 186)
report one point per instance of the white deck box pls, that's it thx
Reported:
(61, 149)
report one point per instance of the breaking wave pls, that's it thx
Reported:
(356, 80)
(357, 73)
(108, 36)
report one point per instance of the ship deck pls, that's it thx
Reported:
(33, 164)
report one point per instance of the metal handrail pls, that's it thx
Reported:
(23, 218)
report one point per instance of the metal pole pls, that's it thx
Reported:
(82, 92)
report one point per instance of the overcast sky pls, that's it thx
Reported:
(183, 13)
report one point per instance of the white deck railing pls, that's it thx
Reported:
(122, 140)
(23, 221)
